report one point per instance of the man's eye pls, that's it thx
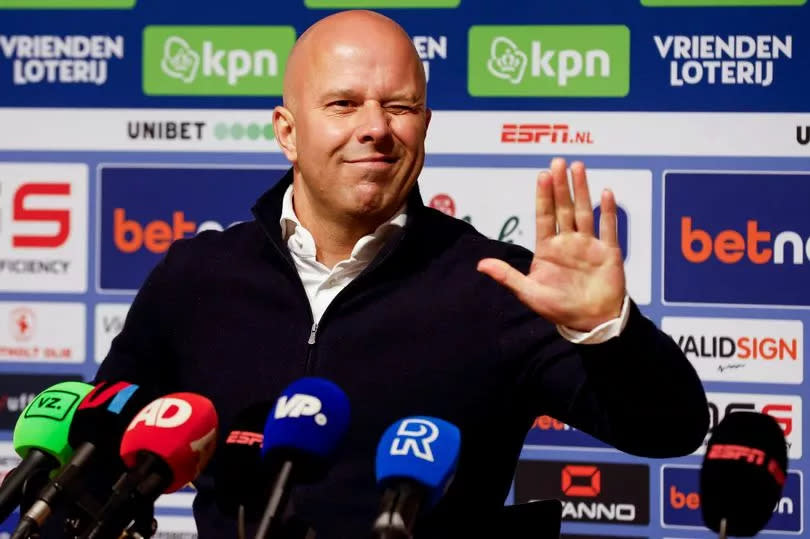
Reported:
(399, 108)
(341, 103)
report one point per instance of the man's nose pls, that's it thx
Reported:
(373, 123)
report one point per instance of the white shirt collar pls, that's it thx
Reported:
(300, 241)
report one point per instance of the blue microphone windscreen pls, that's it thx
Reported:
(309, 420)
(422, 449)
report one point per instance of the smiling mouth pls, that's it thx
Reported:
(372, 160)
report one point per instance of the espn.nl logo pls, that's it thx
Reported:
(543, 133)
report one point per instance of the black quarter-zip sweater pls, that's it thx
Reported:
(420, 331)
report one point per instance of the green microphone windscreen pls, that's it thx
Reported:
(45, 422)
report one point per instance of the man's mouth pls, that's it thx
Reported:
(374, 159)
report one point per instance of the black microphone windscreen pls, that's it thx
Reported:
(743, 473)
(105, 413)
(240, 475)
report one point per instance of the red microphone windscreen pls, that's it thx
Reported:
(180, 428)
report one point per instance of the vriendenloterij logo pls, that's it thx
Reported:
(215, 60)
(720, 3)
(565, 61)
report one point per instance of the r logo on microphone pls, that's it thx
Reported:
(410, 434)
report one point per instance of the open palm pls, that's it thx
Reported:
(576, 279)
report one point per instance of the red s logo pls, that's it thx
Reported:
(60, 217)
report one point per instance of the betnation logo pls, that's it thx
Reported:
(157, 235)
(752, 252)
(143, 210)
(681, 502)
(748, 241)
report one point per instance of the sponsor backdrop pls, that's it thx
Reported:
(127, 124)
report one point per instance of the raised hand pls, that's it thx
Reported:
(576, 280)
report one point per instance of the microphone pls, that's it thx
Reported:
(165, 446)
(95, 432)
(240, 478)
(743, 474)
(301, 438)
(416, 460)
(41, 440)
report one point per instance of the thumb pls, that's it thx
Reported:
(506, 275)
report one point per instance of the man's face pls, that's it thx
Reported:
(360, 121)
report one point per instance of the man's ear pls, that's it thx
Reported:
(284, 127)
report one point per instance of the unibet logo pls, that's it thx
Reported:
(300, 405)
(215, 60)
(573, 61)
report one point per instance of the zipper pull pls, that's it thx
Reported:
(312, 333)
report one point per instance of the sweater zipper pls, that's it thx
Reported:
(313, 332)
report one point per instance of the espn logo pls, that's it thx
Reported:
(538, 133)
(244, 437)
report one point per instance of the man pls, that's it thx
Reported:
(345, 274)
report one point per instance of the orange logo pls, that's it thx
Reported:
(591, 474)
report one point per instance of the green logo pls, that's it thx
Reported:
(238, 131)
(215, 60)
(52, 404)
(380, 4)
(67, 4)
(564, 61)
(727, 3)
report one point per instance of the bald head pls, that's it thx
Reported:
(353, 123)
(342, 37)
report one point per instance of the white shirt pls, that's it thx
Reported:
(323, 284)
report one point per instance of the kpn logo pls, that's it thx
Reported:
(553, 61)
(215, 60)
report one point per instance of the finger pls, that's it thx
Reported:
(563, 206)
(583, 213)
(544, 202)
(607, 220)
(509, 277)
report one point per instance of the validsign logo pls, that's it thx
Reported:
(566, 61)
(215, 60)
